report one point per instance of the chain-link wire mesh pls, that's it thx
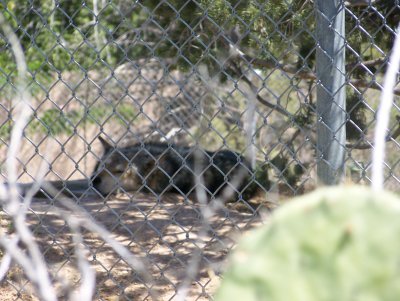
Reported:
(207, 114)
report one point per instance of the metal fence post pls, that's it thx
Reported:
(331, 94)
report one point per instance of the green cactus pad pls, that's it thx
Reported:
(334, 244)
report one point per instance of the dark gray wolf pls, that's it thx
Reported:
(162, 167)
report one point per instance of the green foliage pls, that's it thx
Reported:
(287, 169)
(5, 131)
(125, 113)
(220, 132)
(302, 118)
(55, 121)
(69, 35)
(357, 124)
(333, 244)
(261, 176)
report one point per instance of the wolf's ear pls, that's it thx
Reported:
(107, 146)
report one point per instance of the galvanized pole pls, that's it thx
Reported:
(331, 92)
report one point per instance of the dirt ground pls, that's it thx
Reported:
(163, 231)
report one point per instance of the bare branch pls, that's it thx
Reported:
(266, 103)
(370, 63)
(367, 145)
(309, 75)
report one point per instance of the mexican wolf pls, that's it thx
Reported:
(161, 167)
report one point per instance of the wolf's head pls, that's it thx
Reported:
(115, 171)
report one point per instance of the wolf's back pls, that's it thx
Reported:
(162, 167)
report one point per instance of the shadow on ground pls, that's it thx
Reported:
(163, 231)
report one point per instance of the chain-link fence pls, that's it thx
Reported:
(209, 114)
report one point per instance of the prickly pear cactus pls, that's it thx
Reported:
(334, 244)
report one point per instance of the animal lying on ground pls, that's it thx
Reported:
(162, 167)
